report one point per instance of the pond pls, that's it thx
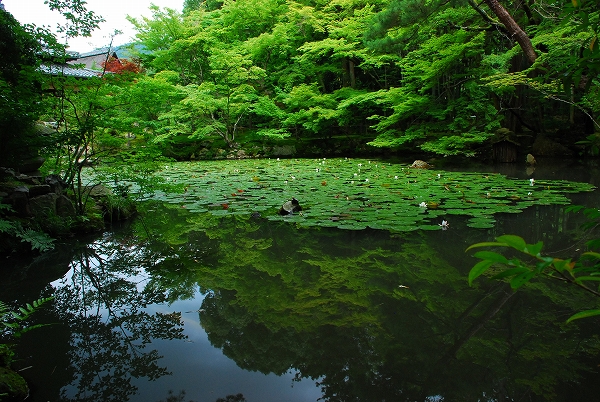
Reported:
(195, 301)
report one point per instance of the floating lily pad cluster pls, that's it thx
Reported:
(355, 193)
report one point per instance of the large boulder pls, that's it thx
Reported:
(40, 189)
(64, 206)
(545, 146)
(284, 150)
(18, 198)
(43, 205)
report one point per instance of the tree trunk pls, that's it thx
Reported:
(513, 28)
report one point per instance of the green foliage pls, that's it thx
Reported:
(13, 324)
(583, 272)
(437, 75)
(591, 144)
(13, 321)
(38, 240)
(19, 91)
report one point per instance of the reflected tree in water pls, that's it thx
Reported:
(103, 302)
(374, 318)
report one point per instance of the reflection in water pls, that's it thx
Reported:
(100, 310)
(367, 315)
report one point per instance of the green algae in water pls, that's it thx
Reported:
(355, 193)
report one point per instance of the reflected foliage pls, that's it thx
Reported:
(367, 314)
(374, 317)
(100, 304)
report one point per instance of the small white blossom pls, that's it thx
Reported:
(445, 225)
(530, 193)
(396, 177)
(423, 204)
(531, 181)
(355, 174)
(360, 164)
(366, 179)
(439, 175)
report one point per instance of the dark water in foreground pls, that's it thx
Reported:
(219, 307)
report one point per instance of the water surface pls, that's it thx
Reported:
(221, 306)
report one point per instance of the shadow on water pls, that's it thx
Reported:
(242, 308)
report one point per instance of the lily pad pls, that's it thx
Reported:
(354, 193)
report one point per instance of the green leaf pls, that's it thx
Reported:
(563, 265)
(541, 265)
(535, 249)
(486, 244)
(583, 314)
(521, 279)
(510, 272)
(592, 254)
(491, 256)
(587, 278)
(513, 241)
(479, 269)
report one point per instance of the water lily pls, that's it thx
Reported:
(396, 177)
(423, 204)
(445, 225)
(530, 193)
(531, 181)
(439, 175)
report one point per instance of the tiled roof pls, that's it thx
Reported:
(96, 52)
(69, 71)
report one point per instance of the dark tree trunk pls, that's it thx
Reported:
(513, 29)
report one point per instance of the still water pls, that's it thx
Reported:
(195, 307)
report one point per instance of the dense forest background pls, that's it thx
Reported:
(349, 77)
(439, 77)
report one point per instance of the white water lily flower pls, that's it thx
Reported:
(531, 181)
(355, 174)
(423, 204)
(530, 193)
(396, 177)
(439, 175)
(366, 179)
(445, 225)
